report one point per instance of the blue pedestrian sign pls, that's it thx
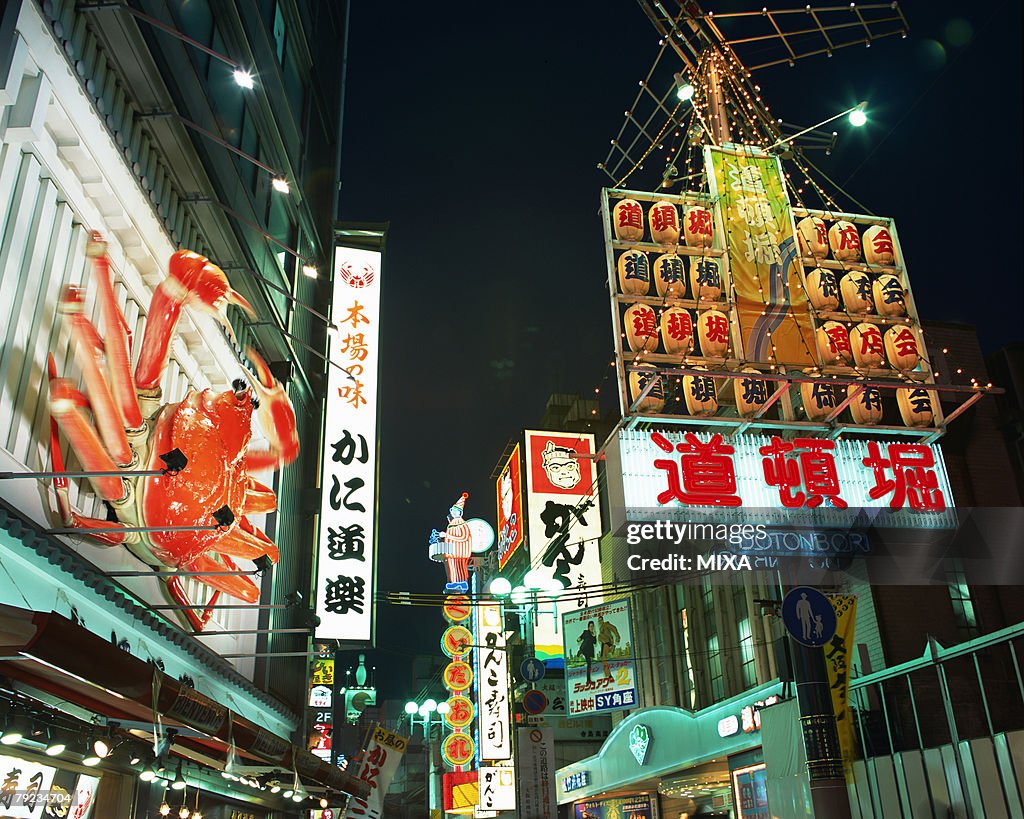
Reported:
(532, 670)
(809, 616)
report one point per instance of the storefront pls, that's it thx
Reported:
(667, 762)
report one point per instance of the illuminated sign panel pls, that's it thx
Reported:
(492, 679)
(600, 672)
(798, 482)
(564, 528)
(346, 565)
(497, 788)
(510, 508)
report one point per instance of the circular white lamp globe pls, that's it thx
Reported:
(858, 117)
(430, 705)
(535, 579)
(520, 594)
(685, 92)
(500, 587)
(443, 708)
(411, 708)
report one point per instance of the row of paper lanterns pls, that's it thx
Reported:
(860, 293)
(675, 329)
(664, 223)
(670, 273)
(845, 242)
(820, 398)
(866, 347)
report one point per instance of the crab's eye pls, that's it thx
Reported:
(255, 402)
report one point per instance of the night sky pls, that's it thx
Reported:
(475, 130)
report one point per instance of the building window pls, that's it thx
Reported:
(963, 605)
(691, 692)
(279, 32)
(748, 671)
(717, 679)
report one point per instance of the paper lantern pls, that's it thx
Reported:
(845, 242)
(713, 333)
(890, 297)
(634, 273)
(819, 397)
(833, 344)
(628, 221)
(916, 406)
(752, 393)
(664, 221)
(670, 276)
(823, 289)
(641, 328)
(705, 278)
(700, 394)
(697, 227)
(865, 408)
(654, 401)
(902, 348)
(868, 346)
(812, 235)
(878, 245)
(856, 291)
(677, 331)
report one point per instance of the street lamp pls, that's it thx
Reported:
(424, 713)
(857, 118)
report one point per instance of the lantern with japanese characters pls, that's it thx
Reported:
(902, 348)
(670, 276)
(878, 245)
(890, 297)
(834, 344)
(812, 235)
(916, 406)
(641, 328)
(822, 289)
(856, 291)
(697, 227)
(628, 221)
(865, 406)
(752, 393)
(705, 278)
(700, 394)
(713, 333)
(654, 401)
(634, 273)
(868, 347)
(664, 221)
(677, 331)
(819, 397)
(844, 241)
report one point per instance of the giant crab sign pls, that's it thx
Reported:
(130, 429)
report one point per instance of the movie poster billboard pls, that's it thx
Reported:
(564, 510)
(600, 673)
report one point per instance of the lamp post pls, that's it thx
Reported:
(429, 713)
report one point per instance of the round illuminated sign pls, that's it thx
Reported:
(457, 608)
(458, 749)
(456, 640)
(460, 712)
(458, 676)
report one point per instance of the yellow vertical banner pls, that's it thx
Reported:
(837, 662)
(749, 195)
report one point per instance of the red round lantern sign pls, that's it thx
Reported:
(458, 749)
(460, 712)
(456, 640)
(457, 608)
(458, 676)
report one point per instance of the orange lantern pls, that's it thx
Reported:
(916, 406)
(865, 408)
(868, 346)
(457, 676)
(812, 235)
(460, 712)
(670, 276)
(700, 394)
(845, 242)
(752, 393)
(856, 290)
(833, 344)
(664, 221)
(890, 297)
(705, 278)
(819, 398)
(822, 289)
(458, 749)
(878, 245)
(713, 333)
(677, 331)
(697, 227)
(641, 328)
(456, 641)
(902, 348)
(654, 401)
(628, 221)
(634, 273)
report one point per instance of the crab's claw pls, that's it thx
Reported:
(193, 280)
(277, 417)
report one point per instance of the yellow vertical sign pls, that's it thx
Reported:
(749, 196)
(837, 662)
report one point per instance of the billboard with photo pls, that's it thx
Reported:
(510, 507)
(600, 673)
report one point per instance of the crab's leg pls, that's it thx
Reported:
(239, 585)
(69, 516)
(194, 280)
(66, 404)
(277, 417)
(259, 498)
(89, 353)
(245, 540)
(116, 340)
(196, 618)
